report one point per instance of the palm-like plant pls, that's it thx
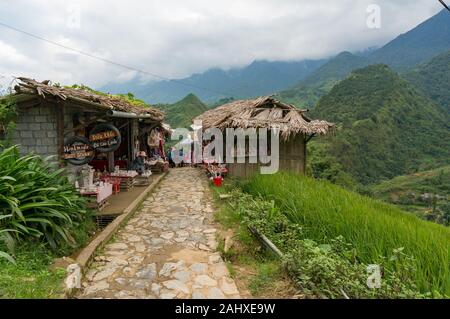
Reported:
(36, 200)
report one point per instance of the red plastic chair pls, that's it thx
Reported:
(116, 185)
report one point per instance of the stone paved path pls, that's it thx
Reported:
(167, 250)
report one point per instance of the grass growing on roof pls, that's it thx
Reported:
(374, 228)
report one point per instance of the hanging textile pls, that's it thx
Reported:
(153, 139)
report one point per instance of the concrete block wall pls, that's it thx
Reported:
(36, 131)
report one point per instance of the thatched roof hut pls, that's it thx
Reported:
(264, 112)
(49, 118)
(295, 129)
(28, 89)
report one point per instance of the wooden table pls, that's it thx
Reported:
(126, 181)
(99, 197)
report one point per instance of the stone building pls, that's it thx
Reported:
(49, 116)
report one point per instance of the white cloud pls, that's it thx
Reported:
(10, 57)
(176, 38)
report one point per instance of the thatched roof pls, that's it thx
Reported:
(108, 102)
(264, 112)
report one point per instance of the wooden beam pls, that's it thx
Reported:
(26, 105)
(149, 128)
(266, 241)
(309, 138)
(60, 110)
(110, 161)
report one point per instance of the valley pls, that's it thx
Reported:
(393, 117)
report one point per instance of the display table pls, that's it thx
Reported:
(101, 165)
(158, 166)
(99, 195)
(127, 179)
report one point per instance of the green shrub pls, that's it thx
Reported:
(7, 114)
(267, 219)
(7, 110)
(374, 229)
(37, 202)
(330, 269)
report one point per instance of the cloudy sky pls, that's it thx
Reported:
(175, 38)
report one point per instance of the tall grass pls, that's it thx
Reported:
(374, 228)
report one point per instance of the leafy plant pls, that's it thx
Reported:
(7, 114)
(330, 268)
(325, 211)
(37, 202)
(2, 253)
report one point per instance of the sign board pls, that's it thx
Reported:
(78, 150)
(105, 138)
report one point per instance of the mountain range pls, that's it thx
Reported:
(259, 78)
(420, 44)
(300, 82)
(307, 92)
(415, 47)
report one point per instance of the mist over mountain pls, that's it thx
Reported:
(420, 44)
(417, 46)
(259, 78)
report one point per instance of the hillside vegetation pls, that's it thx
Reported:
(425, 193)
(307, 92)
(387, 128)
(181, 113)
(436, 181)
(433, 79)
(375, 229)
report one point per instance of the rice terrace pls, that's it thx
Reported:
(238, 157)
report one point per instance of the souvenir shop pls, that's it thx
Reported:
(107, 144)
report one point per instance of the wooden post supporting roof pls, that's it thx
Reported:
(110, 156)
(60, 110)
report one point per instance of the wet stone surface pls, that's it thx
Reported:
(167, 250)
